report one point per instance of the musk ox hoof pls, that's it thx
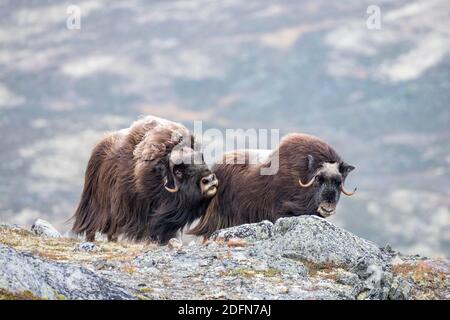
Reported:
(87, 247)
(43, 228)
(174, 244)
(251, 232)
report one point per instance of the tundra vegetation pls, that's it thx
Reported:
(303, 257)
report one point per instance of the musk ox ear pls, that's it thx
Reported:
(164, 168)
(170, 182)
(175, 170)
(345, 168)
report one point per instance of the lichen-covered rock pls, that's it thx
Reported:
(251, 232)
(303, 258)
(399, 289)
(174, 244)
(87, 247)
(21, 272)
(316, 240)
(43, 228)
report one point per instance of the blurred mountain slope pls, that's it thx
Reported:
(381, 97)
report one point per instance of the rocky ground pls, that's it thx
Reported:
(295, 258)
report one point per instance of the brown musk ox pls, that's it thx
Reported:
(145, 183)
(309, 181)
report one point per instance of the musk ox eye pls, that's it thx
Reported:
(178, 173)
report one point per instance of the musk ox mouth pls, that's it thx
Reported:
(326, 210)
(209, 185)
(211, 192)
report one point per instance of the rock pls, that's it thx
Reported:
(9, 225)
(104, 264)
(43, 228)
(314, 239)
(174, 244)
(400, 289)
(347, 278)
(20, 272)
(87, 247)
(192, 243)
(251, 232)
(303, 258)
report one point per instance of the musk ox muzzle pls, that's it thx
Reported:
(209, 185)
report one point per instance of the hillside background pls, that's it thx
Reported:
(381, 97)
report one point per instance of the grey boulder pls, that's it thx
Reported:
(43, 228)
(251, 232)
(21, 272)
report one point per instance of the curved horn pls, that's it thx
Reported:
(307, 184)
(170, 189)
(346, 192)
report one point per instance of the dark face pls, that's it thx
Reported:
(196, 179)
(327, 184)
(190, 175)
(327, 192)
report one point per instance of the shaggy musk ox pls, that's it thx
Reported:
(309, 181)
(145, 182)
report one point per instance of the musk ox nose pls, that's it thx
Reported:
(330, 195)
(209, 179)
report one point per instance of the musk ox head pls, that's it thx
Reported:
(187, 173)
(327, 183)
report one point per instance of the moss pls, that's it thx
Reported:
(25, 295)
(429, 282)
(249, 273)
(60, 297)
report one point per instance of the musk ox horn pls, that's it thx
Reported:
(307, 184)
(170, 189)
(346, 192)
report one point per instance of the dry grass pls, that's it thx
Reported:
(62, 249)
(129, 269)
(315, 268)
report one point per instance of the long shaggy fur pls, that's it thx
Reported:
(246, 196)
(124, 185)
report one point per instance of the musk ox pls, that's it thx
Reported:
(145, 183)
(309, 181)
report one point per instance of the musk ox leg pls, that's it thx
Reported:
(163, 230)
(92, 212)
(90, 236)
(112, 237)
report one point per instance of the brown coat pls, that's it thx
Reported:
(124, 184)
(246, 196)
